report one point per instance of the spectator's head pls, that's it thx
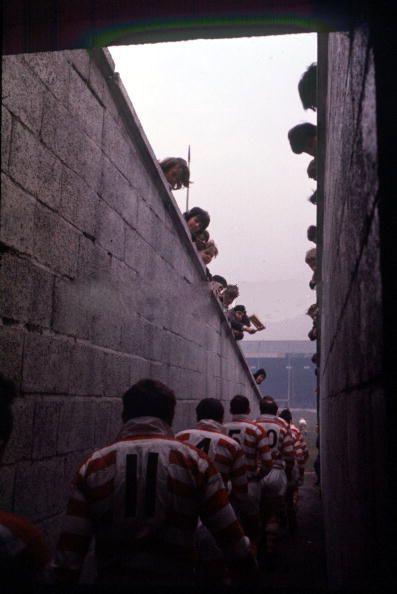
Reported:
(310, 258)
(313, 311)
(149, 398)
(201, 240)
(260, 375)
(312, 233)
(7, 395)
(218, 283)
(286, 415)
(268, 406)
(210, 408)
(229, 294)
(240, 405)
(312, 169)
(307, 88)
(302, 139)
(176, 172)
(197, 220)
(314, 359)
(239, 312)
(209, 252)
(313, 197)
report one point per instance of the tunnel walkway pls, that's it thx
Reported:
(301, 560)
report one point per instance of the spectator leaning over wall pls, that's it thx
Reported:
(176, 172)
(24, 554)
(201, 240)
(197, 220)
(303, 139)
(218, 283)
(312, 233)
(307, 88)
(209, 252)
(236, 318)
(311, 261)
(228, 295)
(260, 375)
(141, 497)
(228, 457)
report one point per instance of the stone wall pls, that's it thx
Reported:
(352, 401)
(100, 282)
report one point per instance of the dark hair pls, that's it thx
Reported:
(268, 405)
(299, 135)
(219, 279)
(7, 395)
(184, 176)
(149, 398)
(210, 408)
(239, 405)
(260, 371)
(311, 233)
(201, 214)
(286, 415)
(307, 87)
(313, 197)
(240, 308)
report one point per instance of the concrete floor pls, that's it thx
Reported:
(301, 559)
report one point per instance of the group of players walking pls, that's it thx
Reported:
(201, 506)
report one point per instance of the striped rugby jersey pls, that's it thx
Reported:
(300, 447)
(24, 554)
(280, 440)
(229, 459)
(141, 498)
(254, 442)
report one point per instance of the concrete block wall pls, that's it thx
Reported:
(100, 283)
(352, 401)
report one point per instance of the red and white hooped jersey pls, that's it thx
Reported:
(300, 447)
(229, 459)
(142, 497)
(254, 442)
(280, 440)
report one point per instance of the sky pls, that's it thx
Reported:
(233, 101)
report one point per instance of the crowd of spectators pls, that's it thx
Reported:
(303, 139)
(177, 174)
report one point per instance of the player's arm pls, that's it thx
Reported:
(75, 535)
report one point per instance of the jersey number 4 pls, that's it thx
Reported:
(131, 485)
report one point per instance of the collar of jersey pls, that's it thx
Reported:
(240, 418)
(210, 425)
(145, 426)
(267, 417)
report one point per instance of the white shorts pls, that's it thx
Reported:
(274, 484)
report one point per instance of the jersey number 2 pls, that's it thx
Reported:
(131, 485)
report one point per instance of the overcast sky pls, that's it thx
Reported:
(234, 101)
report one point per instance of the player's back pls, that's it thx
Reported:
(279, 437)
(253, 440)
(210, 437)
(143, 494)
